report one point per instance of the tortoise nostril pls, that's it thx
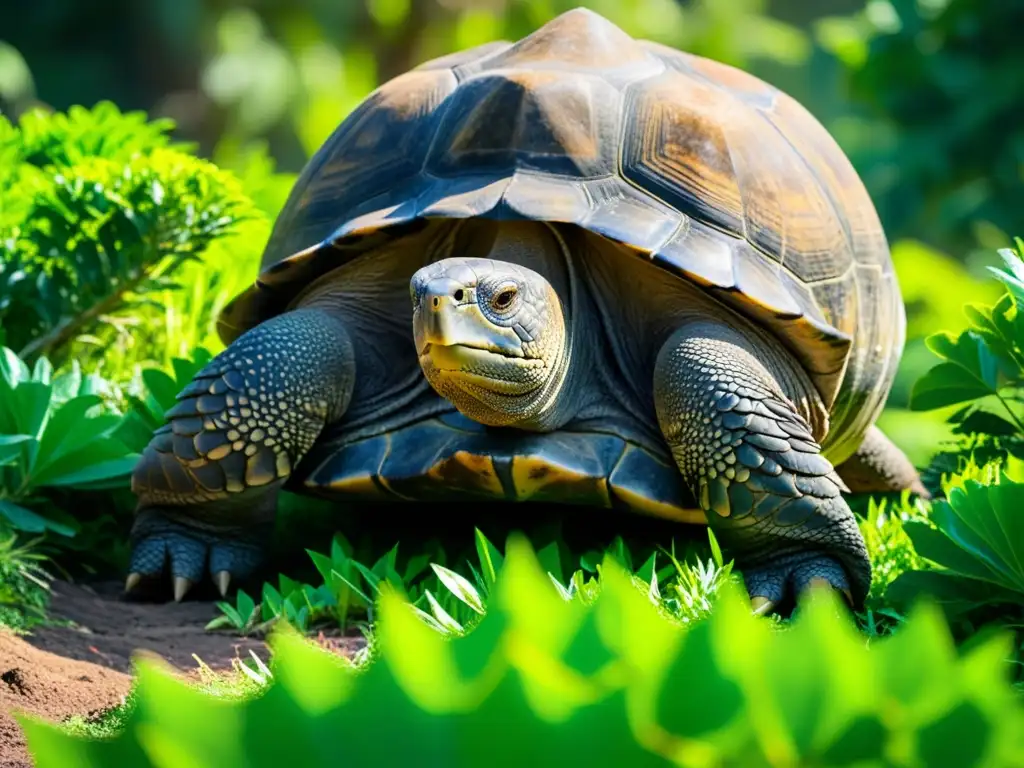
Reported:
(437, 302)
(459, 294)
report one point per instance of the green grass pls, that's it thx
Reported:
(24, 584)
(103, 725)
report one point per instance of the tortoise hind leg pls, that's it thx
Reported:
(207, 483)
(878, 466)
(751, 461)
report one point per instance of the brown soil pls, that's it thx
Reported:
(83, 669)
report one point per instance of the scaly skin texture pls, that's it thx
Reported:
(754, 466)
(564, 350)
(491, 338)
(207, 483)
(878, 466)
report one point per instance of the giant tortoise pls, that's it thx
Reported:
(579, 268)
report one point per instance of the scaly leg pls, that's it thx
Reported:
(879, 466)
(751, 461)
(207, 483)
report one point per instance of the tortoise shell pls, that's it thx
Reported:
(710, 173)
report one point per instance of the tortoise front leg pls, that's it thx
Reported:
(207, 483)
(751, 461)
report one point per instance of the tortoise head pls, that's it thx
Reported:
(491, 338)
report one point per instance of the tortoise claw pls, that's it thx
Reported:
(133, 580)
(181, 587)
(223, 580)
(761, 605)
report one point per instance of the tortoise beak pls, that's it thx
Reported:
(441, 317)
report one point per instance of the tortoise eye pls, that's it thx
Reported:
(504, 299)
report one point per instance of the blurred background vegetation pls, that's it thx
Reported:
(926, 96)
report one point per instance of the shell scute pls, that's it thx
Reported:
(760, 279)
(701, 253)
(625, 214)
(675, 146)
(541, 197)
(393, 125)
(502, 121)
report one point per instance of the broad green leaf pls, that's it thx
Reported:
(28, 408)
(163, 388)
(13, 368)
(271, 602)
(246, 606)
(947, 384)
(489, 556)
(955, 593)
(420, 659)
(372, 579)
(862, 741)
(236, 619)
(960, 737)
(917, 663)
(68, 384)
(988, 524)
(10, 447)
(67, 430)
(1011, 275)
(23, 519)
(971, 371)
(442, 616)
(324, 566)
(349, 583)
(42, 371)
(647, 570)
(716, 549)
(940, 549)
(714, 700)
(106, 469)
(550, 559)
(459, 587)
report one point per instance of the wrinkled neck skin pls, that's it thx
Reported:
(538, 247)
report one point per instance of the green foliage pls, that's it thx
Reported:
(976, 538)
(97, 214)
(609, 681)
(891, 550)
(942, 80)
(24, 584)
(243, 616)
(55, 434)
(982, 373)
(157, 391)
(971, 544)
(451, 600)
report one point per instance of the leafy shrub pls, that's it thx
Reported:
(943, 152)
(971, 544)
(99, 212)
(983, 373)
(549, 681)
(54, 434)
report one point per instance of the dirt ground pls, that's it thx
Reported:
(83, 669)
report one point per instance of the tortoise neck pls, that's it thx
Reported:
(553, 406)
